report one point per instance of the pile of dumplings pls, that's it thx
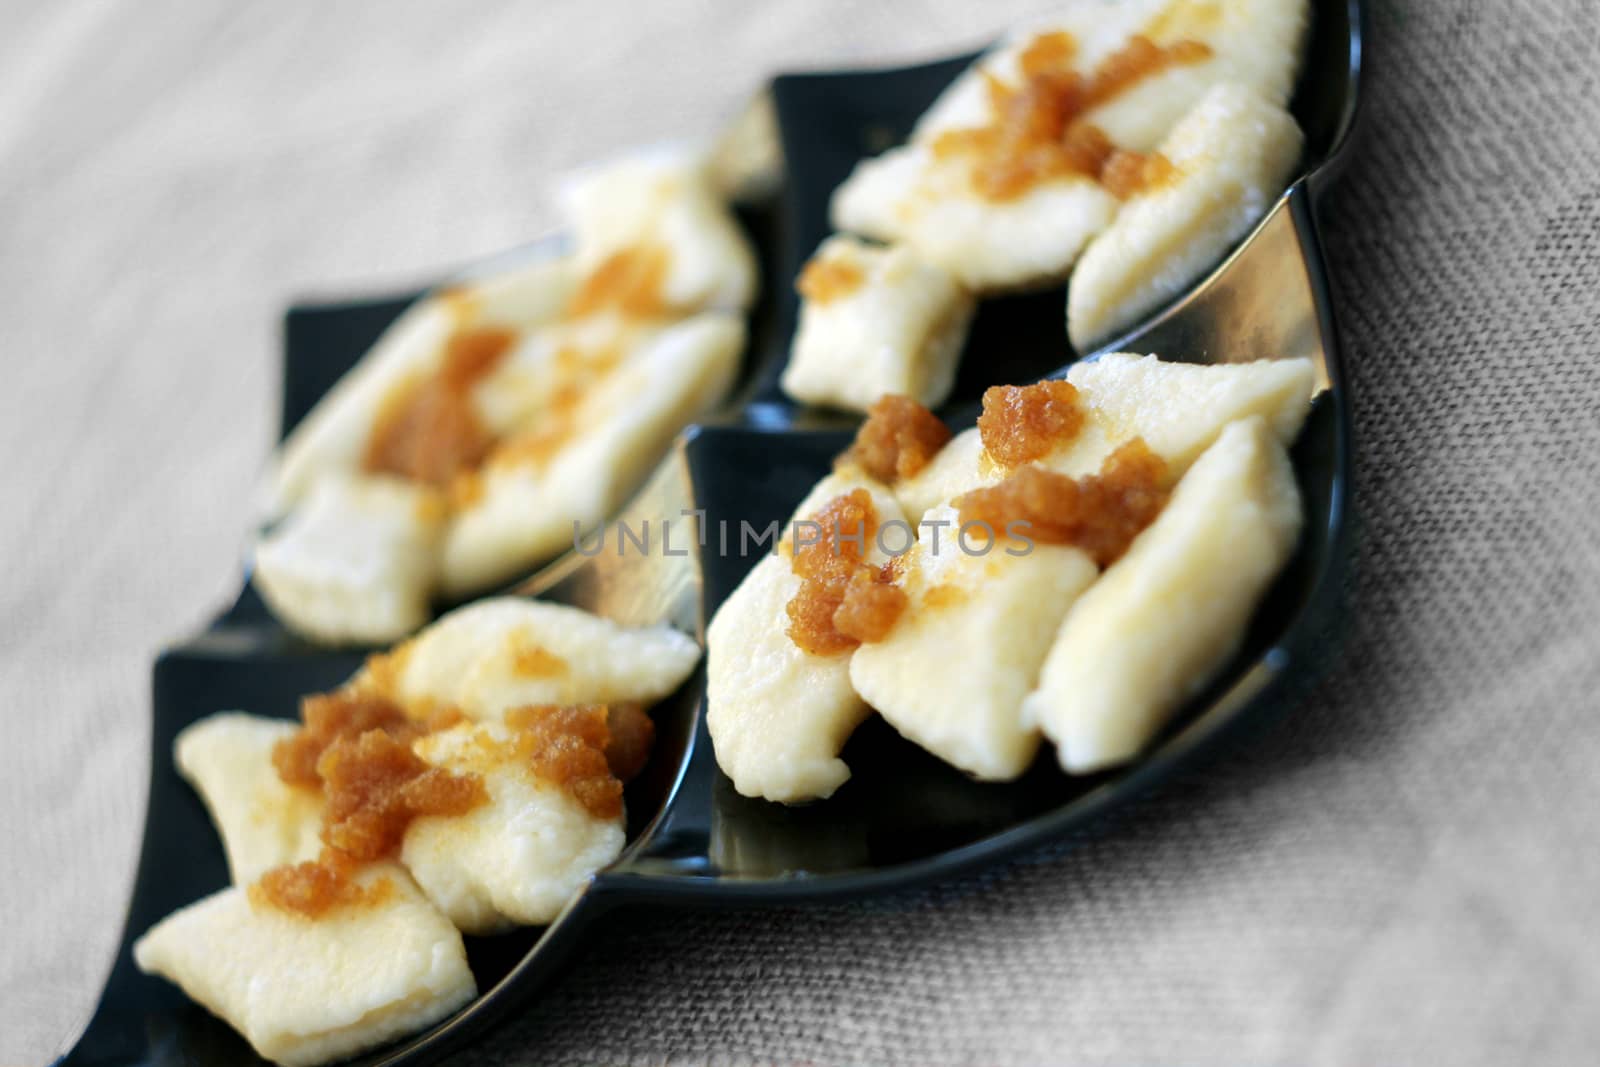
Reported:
(1124, 145)
(996, 646)
(496, 417)
(306, 986)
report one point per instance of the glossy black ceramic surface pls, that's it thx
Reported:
(905, 818)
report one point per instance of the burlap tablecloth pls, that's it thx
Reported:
(1406, 870)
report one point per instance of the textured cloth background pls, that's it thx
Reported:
(1406, 870)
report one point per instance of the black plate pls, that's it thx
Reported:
(693, 840)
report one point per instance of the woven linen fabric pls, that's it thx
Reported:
(1405, 869)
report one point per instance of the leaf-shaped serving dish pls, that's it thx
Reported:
(692, 838)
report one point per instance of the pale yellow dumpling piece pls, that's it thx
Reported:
(356, 562)
(332, 439)
(961, 465)
(555, 385)
(665, 199)
(516, 860)
(912, 196)
(778, 715)
(1166, 617)
(924, 198)
(1253, 43)
(310, 991)
(952, 674)
(354, 557)
(262, 821)
(1178, 408)
(909, 194)
(577, 466)
(892, 324)
(1232, 156)
(1097, 29)
(508, 652)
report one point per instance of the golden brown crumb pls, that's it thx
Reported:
(842, 600)
(898, 439)
(316, 887)
(328, 717)
(870, 607)
(631, 281)
(374, 785)
(427, 429)
(1100, 513)
(355, 745)
(1022, 423)
(566, 746)
(1128, 174)
(1037, 133)
(823, 280)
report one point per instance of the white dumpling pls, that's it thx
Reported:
(666, 200)
(952, 673)
(508, 652)
(962, 464)
(308, 991)
(332, 439)
(778, 715)
(356, 562)
(1166, 616)
(897, 326)
(262, 821)
(1232, 155)
(516, 860)
(576, 373)
(1097, 28)
(925, 198)
(578, 464)
(1253, 43)
(1180, 408)
(910, 195)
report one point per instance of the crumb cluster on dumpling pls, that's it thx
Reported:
(875, 320)
(1071, 569)
(1126, 145)
(467, 781)
(778, 714)
(494, 417)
